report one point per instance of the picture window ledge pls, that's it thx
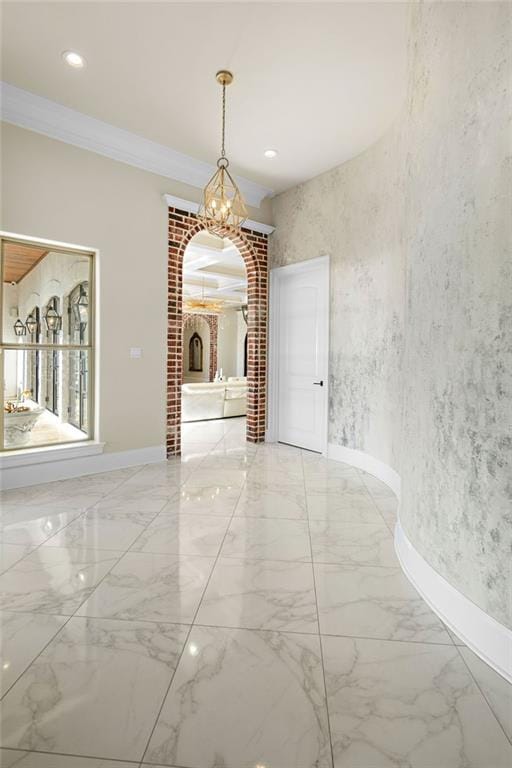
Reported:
(49, 453)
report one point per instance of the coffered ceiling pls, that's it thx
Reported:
(317, 82)
(213, 268)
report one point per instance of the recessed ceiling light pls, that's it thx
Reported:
(74, 59)
(270, 153)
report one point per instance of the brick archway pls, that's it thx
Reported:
(183, 226)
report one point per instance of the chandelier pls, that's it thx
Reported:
(204, 305)
(223, 203)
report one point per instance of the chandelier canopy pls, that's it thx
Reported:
(222, 200)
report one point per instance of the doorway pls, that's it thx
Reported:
(252, 246)
(299, 351)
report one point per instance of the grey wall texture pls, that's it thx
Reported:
(419, 233)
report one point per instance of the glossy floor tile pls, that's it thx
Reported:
(355, 543)
(357, 507)
(101, 529)
(32, 526)
(267, 539)
(407, 704)
(13, 553)
(364, 601)
(14, 758)
(178, 534)
(255, 698)
(22, 637)
(204, 500)
(260, 594)
(496, 690)
(238, 607)
(54, 579)
(165, 588)
(95, 690)
(260, 499)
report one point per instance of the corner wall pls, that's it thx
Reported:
(419, 234)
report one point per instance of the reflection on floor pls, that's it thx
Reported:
(241, 607)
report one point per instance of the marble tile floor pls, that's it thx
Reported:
(240, 607)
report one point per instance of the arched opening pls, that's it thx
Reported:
(214, 327)
(252, 247)
(195, 353)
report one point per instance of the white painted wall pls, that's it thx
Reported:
(227, 353)
(241, 333)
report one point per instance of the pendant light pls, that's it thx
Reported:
(223, 203)
(204, 305)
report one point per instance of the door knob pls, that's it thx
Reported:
(319, 383)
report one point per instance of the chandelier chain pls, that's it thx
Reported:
(223, 150)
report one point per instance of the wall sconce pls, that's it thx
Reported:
(52, 320)
(20, 328)
(81, 308)
(32, 324)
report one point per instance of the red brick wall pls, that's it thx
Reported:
(213, 324)
(253, 248)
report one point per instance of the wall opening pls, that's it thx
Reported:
(252, 246)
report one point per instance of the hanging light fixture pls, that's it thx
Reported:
(32, 324)
(81, 308)
(222, 200)
(52, 319)
(204, 305)
(20, 328)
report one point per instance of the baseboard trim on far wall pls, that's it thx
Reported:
(367, 463)
(489, 639)
(57, 466)
(485, 636)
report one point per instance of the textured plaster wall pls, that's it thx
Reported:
(352, 213)
(418, 229)
(457, 429)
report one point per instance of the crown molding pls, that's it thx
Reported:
(190, 207)
(49, 118)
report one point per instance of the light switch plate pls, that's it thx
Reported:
(135, 352)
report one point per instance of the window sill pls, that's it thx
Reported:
(29, 456)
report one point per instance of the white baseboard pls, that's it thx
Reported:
(367, 463)
(485, 636)
(489, 639)
(32, 469)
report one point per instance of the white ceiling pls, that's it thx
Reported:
(318, 82)
(214, 268)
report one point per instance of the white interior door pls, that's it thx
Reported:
(302, 359)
